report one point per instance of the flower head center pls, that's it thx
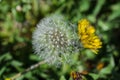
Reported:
(58, 38)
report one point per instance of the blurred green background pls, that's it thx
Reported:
(18, 19)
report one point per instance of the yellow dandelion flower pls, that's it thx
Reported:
(87, 36)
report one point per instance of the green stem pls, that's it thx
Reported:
(27, 70)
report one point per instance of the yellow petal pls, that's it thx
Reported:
(97, 40)
(84, 37)
(91, 30)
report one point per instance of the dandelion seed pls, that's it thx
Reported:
(55, 32)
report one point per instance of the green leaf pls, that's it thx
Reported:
(94, 76)
(62, 78)
(70, 78)
(16, 63)
(5, 56)
(2, 70)
(90, 54)
(84, 5)
(108, 69)
(115, 12)
(98, 6)
(28, 75)
(34, 57)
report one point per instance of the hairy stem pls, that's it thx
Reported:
(27, 70)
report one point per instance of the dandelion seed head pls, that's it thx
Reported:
(53, 40)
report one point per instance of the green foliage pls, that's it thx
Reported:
(18, 19)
